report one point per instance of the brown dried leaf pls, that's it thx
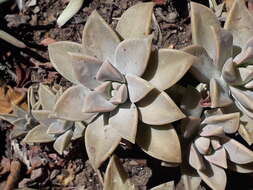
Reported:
(9, 96)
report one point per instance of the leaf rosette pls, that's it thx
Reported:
(226, 56)
(119, 84)
(209, 149)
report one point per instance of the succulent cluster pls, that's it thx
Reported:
(120, 85)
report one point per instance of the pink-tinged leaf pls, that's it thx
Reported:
(195, 158)
(202, 144)
(219, 158)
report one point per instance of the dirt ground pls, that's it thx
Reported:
(36, 25)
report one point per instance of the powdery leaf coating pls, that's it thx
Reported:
(195, 159)
(38, 135)
(95, 102)
(135, 22)
(108, 72)
(69, 106)
(237, 152)
(125, 112)
(99, 40)
(202, 144)
(132, 55)
(85, 68)
(42, 116)
(161, 69)
(115, 176)
(138, 88)
(152, 140)
(157, 108)
(219, 158)
(240, 23)
(61, 60)
(46, 97)
(202, 19)
(229, 122)
(63, 141)
(100, 141)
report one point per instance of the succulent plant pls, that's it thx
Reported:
(22, 120)
(116, 178)
(118, 82)
(59, 131)
(210, 150)
(226, 57)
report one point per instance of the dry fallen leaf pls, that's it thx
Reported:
(9, 96)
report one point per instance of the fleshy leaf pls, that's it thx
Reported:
(69, 106)
(121, 95)
(218, 158)
(195, 158)
(230, 73)
(105, 89)
(223, 46)
(202, 144)
(219, 93)
(61, 60)
(246, 128)
(85, 68)
(230, 122)
(42, 116)
(100, 141)
(115, 176)
(214, 176)
(125, 120)
(137, 87)
(244, 97)
(202, 19)
(246, 55)
(165, 186)
(240, 23)
(108, 72)
(63, 141)
(136, 21)
(166, 111)
(158, 141)
(212, 130)
(99, 40)
(161, 69)
(38, 135)
(237, 152)
(241, 168)
(59, 127)
(132, 55)
(78, 130)
(46, 97)
(205, 70)
(95, 102)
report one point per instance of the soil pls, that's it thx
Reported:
(36, 25)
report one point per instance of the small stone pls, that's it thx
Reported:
(36, 10)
